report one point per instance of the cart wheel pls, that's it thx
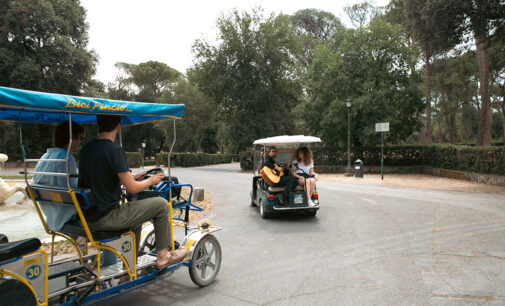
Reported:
(263, 213)
(206, 261)
(149, 244)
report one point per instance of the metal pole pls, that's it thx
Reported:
(68, 148)
(382, 155)
(349, 169)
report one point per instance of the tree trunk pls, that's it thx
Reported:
(501, 111)
(484, 132)
(428, 98)
(466, 129)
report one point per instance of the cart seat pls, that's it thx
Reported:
(281, 189)
(60, 196)
(74, 227)
(15, 249)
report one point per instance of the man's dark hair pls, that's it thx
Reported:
(62, 134)
(271, 148)
(107, 123)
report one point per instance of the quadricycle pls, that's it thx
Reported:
(31, 276)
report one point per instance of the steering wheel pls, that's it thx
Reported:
(150, 173)
(154, 171)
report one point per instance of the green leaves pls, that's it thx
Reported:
(371, 66)
(251, 75)
(44, 46)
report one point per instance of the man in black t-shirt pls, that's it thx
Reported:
(286, 180)
(103, 168)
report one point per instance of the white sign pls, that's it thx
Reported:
(382, 127)
(143, 145)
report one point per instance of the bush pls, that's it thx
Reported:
(490, 160)
(134, 159)
(486, 160)
(193, 159)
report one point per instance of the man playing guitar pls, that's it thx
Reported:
(285, 180)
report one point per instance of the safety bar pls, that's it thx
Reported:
(48, 160)
(48, 173)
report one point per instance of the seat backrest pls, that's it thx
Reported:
(61, 196)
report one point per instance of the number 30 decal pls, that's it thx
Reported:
(126, 246)
(33, 272)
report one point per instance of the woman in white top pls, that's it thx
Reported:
(304, 171)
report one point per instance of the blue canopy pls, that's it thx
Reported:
(37, 107)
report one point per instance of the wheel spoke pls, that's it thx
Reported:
(210, 264)
(204, 269)
(211, 252)
(200, 260)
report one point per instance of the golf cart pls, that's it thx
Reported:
(264, 194)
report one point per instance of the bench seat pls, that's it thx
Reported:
(56, 195)
(74, 227)
(281, 189)
(15, 249)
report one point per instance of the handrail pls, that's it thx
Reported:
(47, 173)
(31, 160)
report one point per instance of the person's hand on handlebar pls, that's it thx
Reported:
(155, 179)
(140, 176)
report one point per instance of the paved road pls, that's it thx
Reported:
(367, 245)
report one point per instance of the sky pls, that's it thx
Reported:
(134, 31)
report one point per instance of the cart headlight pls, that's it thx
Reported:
(204, 225)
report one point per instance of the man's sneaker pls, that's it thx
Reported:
(311, 204)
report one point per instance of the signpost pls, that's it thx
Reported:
(382, 127)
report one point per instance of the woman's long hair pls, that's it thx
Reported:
(307, 155)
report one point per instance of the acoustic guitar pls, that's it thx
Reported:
(271, 176)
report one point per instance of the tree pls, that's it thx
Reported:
(199, 116)
(362, 13)
(145, 82)
(484, 20)
(153, 77)
(43, 46)
(497, 72)
(371, 66)
(313, 27)
(454, 82)
(250, 74)
(433, 30)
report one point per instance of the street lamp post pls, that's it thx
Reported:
(349, 168)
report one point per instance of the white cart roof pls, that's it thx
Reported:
(287, 140)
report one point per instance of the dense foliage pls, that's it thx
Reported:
(250, 74)
(193, 159)
(373, 69)
(434, 69)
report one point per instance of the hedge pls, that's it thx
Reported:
(486, 160)
(134, 159)
(194, 159)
